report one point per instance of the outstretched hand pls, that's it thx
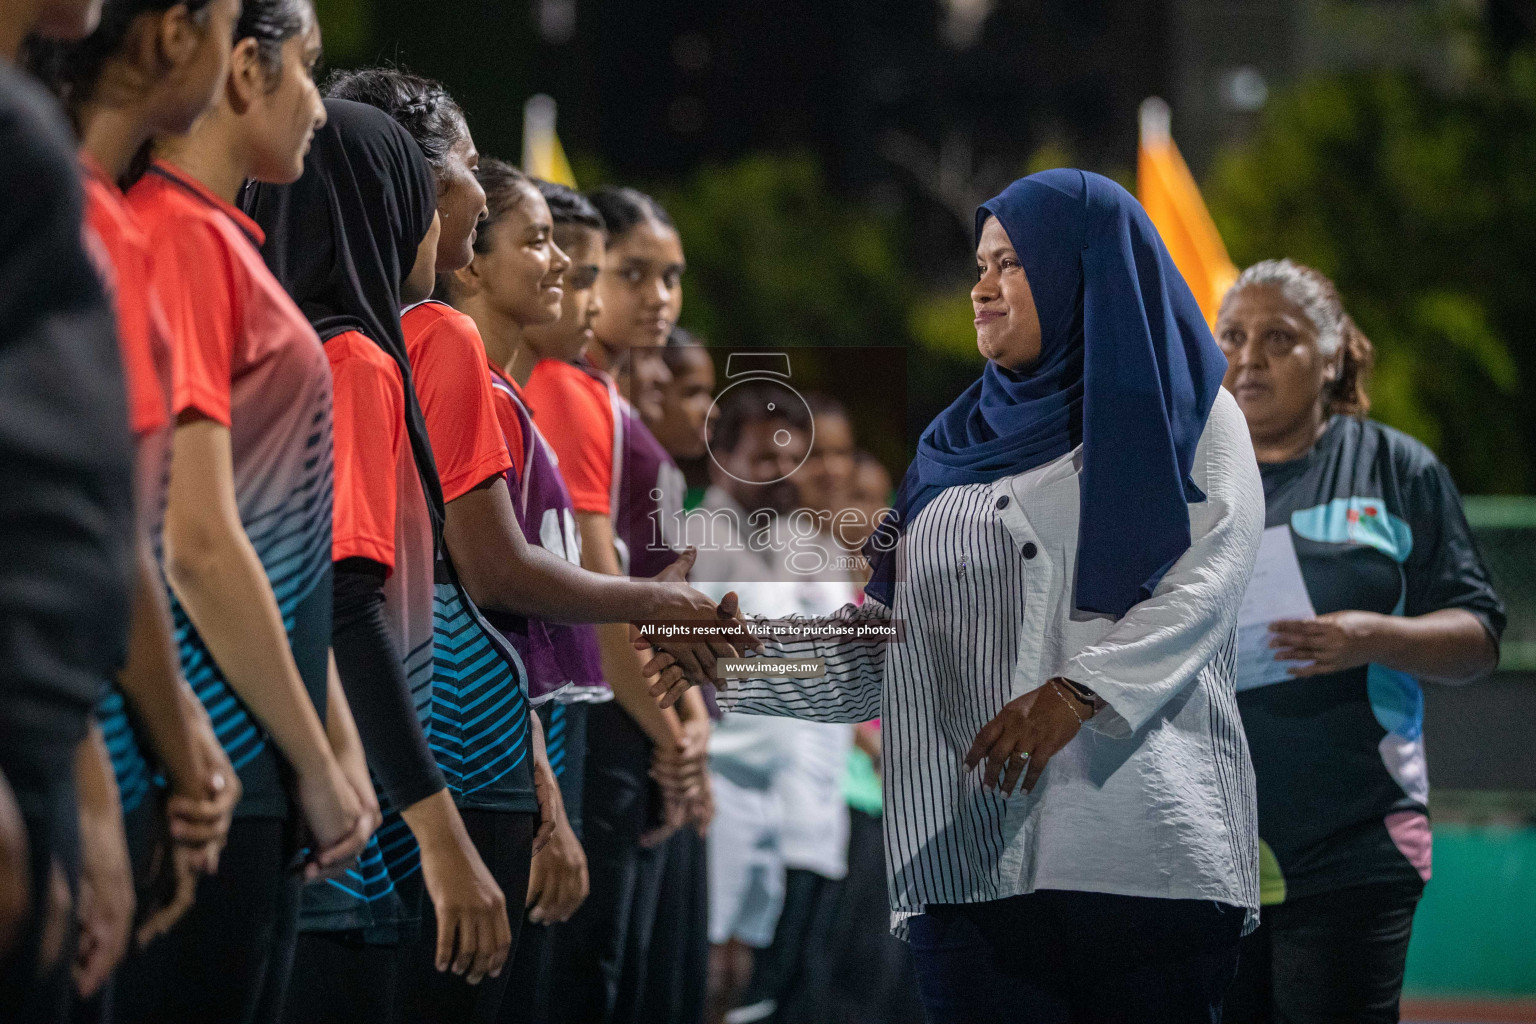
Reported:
(670, 681)
(679, 602)
(695, 659)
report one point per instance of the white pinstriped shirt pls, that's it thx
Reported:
(1155, 797)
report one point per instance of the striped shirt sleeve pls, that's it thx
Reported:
(849, 692)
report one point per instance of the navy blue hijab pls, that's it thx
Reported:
(1127, 368)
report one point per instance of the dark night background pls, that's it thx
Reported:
(823, 159)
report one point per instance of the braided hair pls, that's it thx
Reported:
(421, 106)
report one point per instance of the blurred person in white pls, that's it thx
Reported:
(743, 544)
(790, 978)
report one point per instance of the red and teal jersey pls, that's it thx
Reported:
(562, 659)
(244, 356)
(380, 509)
(380, 513)
(479, 725)
(143, 340)
(142, 331)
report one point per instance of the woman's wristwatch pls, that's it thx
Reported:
(1084, 696)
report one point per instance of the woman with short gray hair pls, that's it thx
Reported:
(1337, 736)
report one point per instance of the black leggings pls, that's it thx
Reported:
(609, 935)
(429, 996)
(789, 978)
(1330, 957)
(677, 964)
(228, 959)
(338, 979)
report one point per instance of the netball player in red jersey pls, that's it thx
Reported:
(520, 279)
(644, 764)
(499, 570)
(151, 67)
(248, 534)
(367, 201)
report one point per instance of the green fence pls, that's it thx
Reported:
(1506, 532)
(1475, 932)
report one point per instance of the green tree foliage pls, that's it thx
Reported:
(347, 26)
(775, 259)
(1420, 202)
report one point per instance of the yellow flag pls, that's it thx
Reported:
(543, 156)
(1172, 199)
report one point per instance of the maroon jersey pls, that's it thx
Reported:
(562, 660)
(648, 492)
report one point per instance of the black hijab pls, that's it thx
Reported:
(343, 238)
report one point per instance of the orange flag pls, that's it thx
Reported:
(1172, 199)
(543, 156)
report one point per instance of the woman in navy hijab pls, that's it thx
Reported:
(1069, 800)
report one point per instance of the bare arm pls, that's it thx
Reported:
(203, 786)
(15, 878)
(104, 907)
(621, 662)
(501, 570)
(471, 908)
(152, 679)
(551, 806)
(347, 745)
(222, 585)
(1447, 646)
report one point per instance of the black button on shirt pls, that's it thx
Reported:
(1030, 551)
(1002, 502)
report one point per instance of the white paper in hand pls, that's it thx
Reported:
(1276, 592)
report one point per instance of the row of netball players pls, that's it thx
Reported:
(308, 759)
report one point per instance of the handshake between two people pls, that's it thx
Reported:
(689, 634)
